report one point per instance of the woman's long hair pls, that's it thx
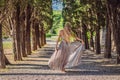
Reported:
(67, 31)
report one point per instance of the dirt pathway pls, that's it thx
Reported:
(34, 67)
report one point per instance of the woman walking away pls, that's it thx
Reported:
(67, 53)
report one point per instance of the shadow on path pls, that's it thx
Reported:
(90, 65)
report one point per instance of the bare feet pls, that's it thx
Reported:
(63, 70)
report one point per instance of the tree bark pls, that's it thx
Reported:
(91, 40)
(34, 37)
(14, 44)
(13, 25)
(79, 34)
(28, 26)
(97, 29)
(6, 60)
(37, 35)
(97, 41)
(2, 57)
(42, 36)
(107, 53)
(18, 34)
(114, 14)
(23, 28)
(84, 34)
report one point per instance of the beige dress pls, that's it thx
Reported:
(76, 49)
(67, 55)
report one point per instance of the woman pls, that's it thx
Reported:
(62, 55)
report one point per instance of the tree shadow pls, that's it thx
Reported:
(49, 49)
(36, 60)
(43, 56)
(68, 73)
(28, 66)
(88, 66)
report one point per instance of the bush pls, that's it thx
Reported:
(5, 37)
(48, 35)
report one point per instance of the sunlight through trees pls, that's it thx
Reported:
(28, 21)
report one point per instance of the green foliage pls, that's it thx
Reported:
(57, 22)
(88, 35)
(2, 3)
(43, 13)
(80, 12)
(49, 35)
(5, 36)
(2, 7)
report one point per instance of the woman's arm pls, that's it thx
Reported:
(75, 36)
(80, 40)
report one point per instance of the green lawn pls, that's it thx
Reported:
(7, 45)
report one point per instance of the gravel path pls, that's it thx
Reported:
(34, 67)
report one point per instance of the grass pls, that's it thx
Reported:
(7, 45)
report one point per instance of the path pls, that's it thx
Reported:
(35, 68)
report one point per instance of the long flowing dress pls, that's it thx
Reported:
(68, 55)
(77, 49)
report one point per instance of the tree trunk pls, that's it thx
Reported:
(116, 29)
(97, 41)
(2, 57)
(114, 15)
(85, 38)
(23, 28)
(14, 43)
(37, 35)
(13, 24)
(107, 53)
(42, 37)
(97, 30)
(34, 37)
(79, 34)
(28, 40)
(18, 34)
(6, 60)
(91, 40)
(91, 29)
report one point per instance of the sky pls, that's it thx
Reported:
(57, 5)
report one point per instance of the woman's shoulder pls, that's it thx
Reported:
(61, 31)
